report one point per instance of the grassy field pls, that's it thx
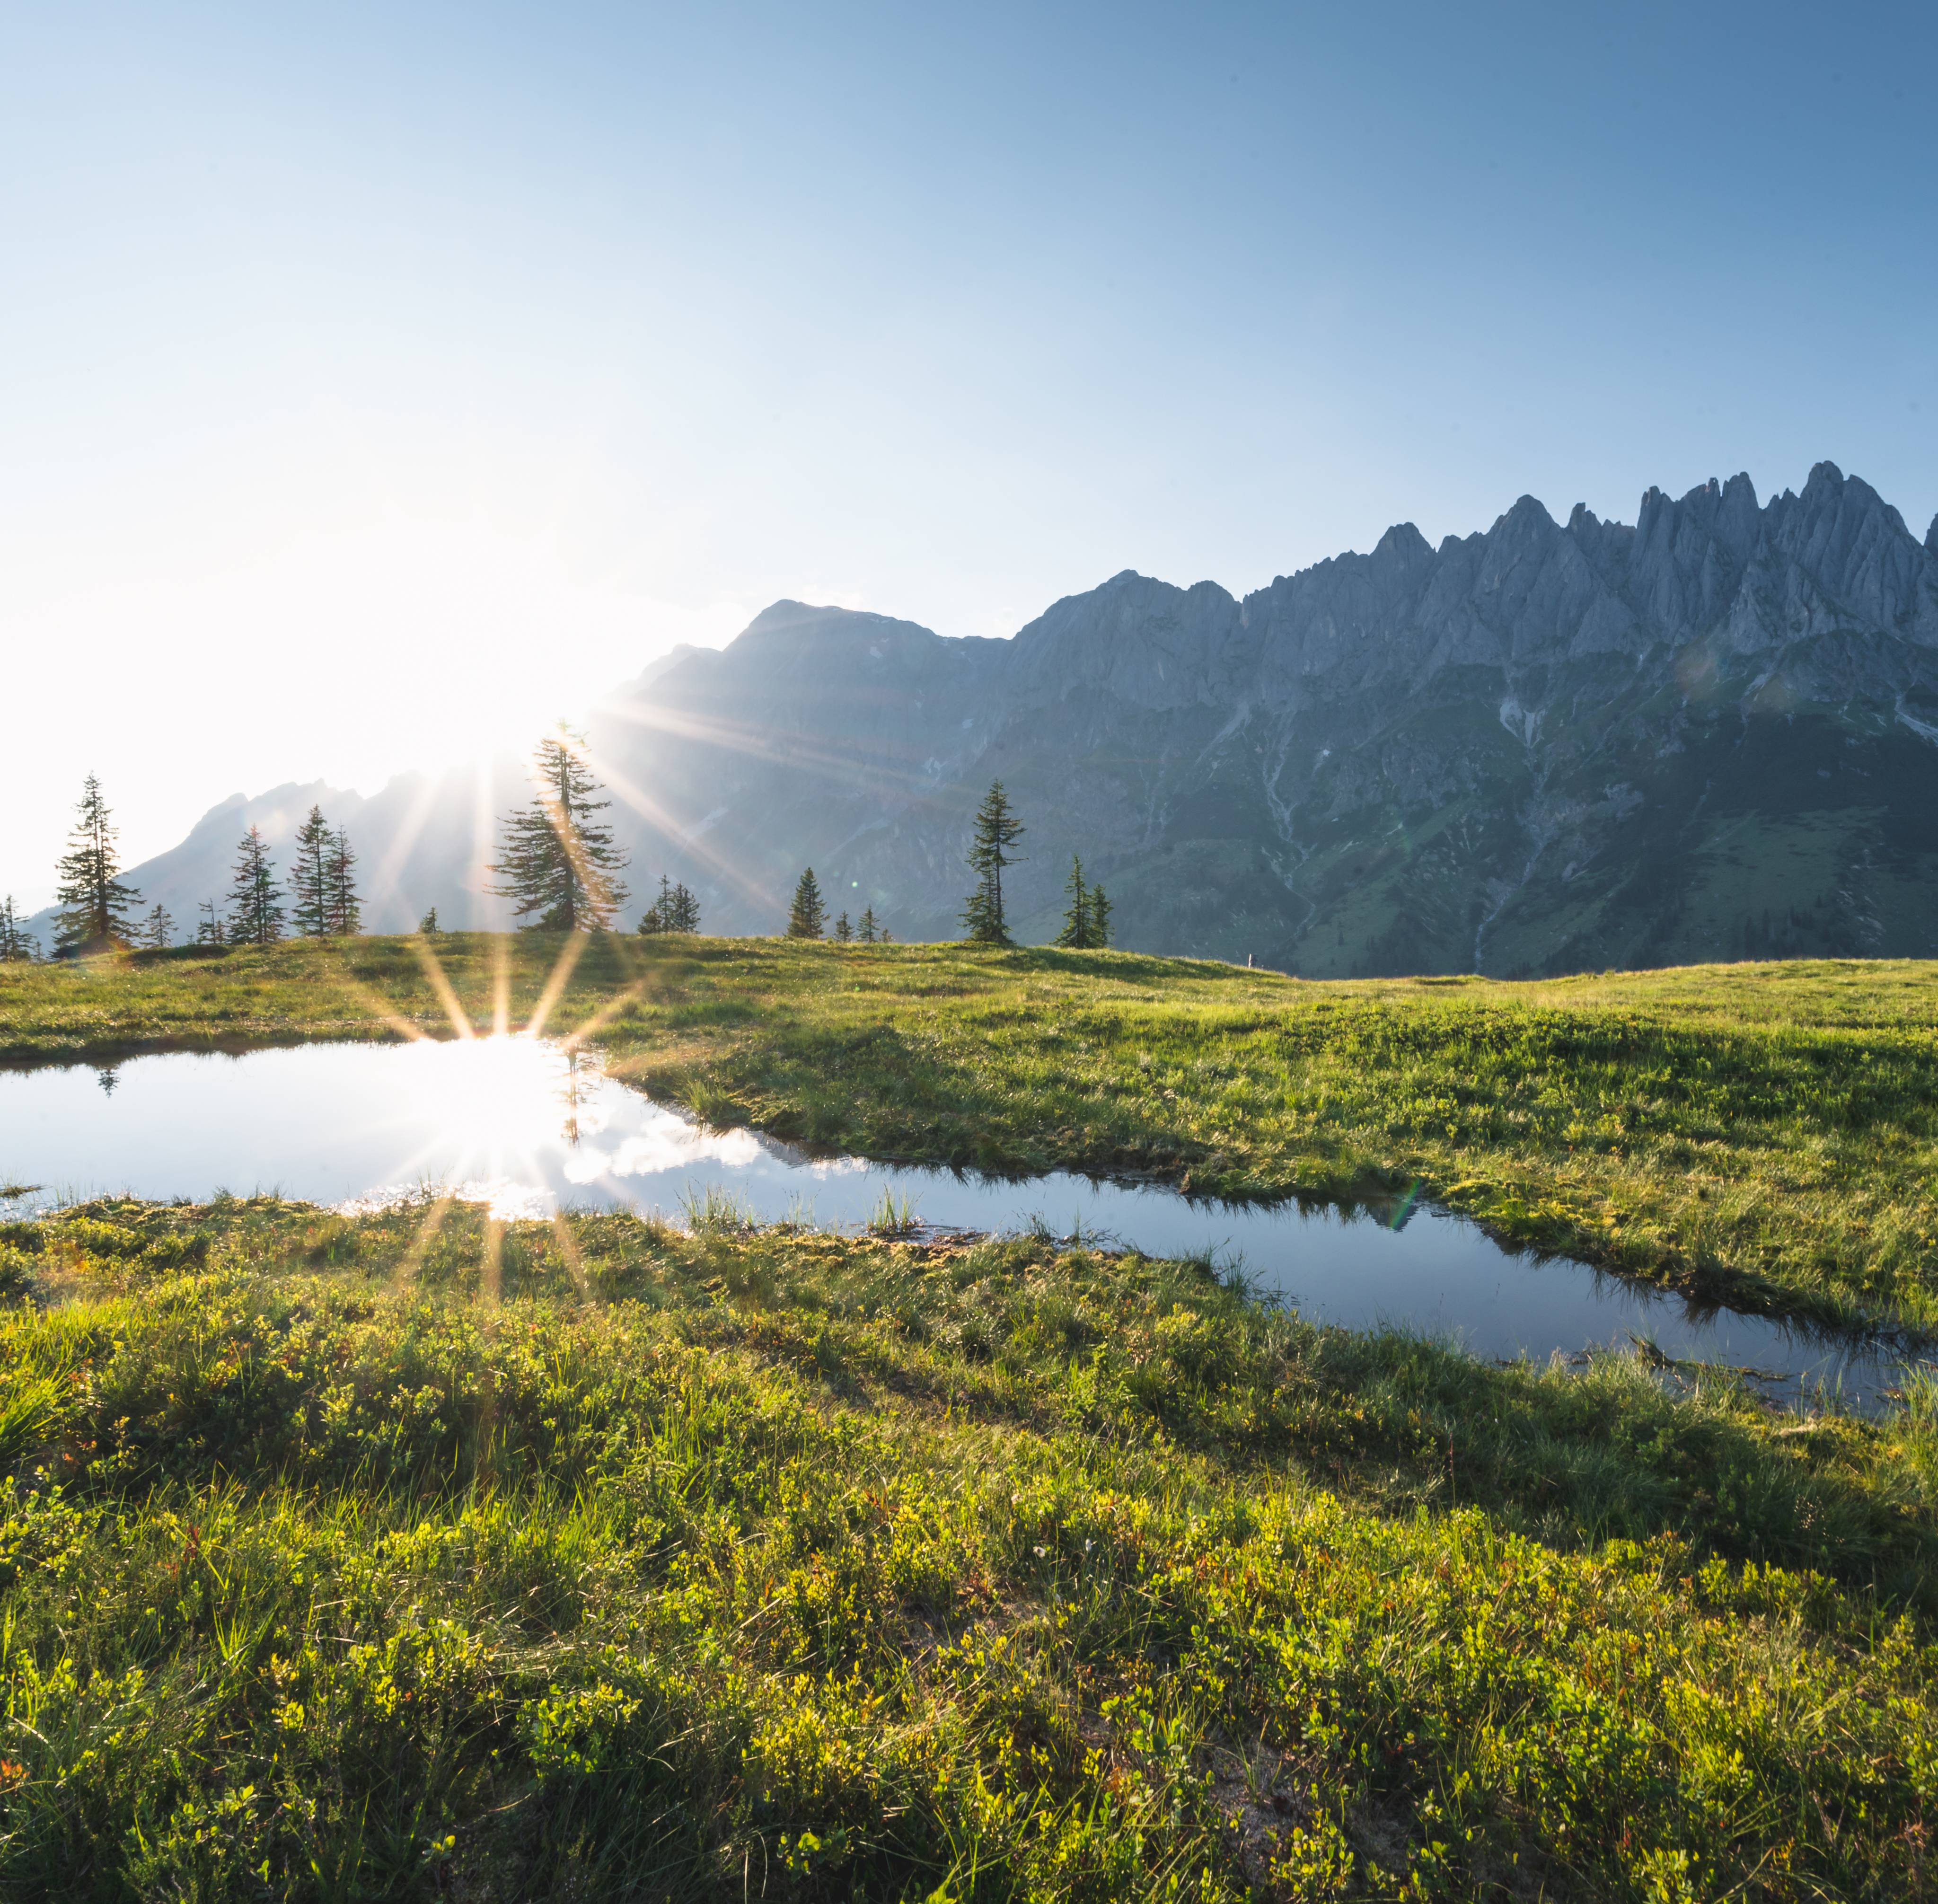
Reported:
(1766, 1133)
(415, 1555)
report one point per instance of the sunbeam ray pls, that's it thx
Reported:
(501, 984)
(440, 983)
(563, 967)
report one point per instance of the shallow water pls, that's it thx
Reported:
(527, 1128)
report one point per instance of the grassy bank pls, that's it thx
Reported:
(414, 1556)
(1769, 1133)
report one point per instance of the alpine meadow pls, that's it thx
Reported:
(969, 956)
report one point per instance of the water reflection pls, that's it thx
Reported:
(527, 1127)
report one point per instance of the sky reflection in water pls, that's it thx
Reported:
(527, 1128)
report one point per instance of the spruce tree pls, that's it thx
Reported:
(94, 903)
(255, 900)
(866, 933)
(685, 909)
(158, 930)
(17, 947)
(555, 860)
(1078, 925)
(843, 931)
(427, 925)
(658, 916)
(208, 931)
(807, 916)
(997, 829)
(345, 904)
(1100, 917)
(309, 877)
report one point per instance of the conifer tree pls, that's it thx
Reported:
(867, 932)
(158, 929)
(1078, 927)
(345, 904)
(1100, 917)
(843, 931)
(427, 925)
(17, 947)
(807, 916)
(685, 909)
(255, 900)
(208, 931)
(655, 918)
(309, 877)
(95, 904)
(555, 860)
(997, 829)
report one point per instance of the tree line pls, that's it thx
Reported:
(558, 862)
(98, 908)
(1086, 920)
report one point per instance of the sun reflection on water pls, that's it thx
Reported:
(497, 1117)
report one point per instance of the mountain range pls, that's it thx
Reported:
(1551, 746)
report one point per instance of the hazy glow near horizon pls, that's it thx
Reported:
(376, 382)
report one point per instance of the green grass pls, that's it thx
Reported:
(1764, 1133)
(414, 1556)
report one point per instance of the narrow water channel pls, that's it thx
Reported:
(528, 1128)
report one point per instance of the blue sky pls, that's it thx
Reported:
(375, 382)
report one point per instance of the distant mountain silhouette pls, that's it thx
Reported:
(1551, 746)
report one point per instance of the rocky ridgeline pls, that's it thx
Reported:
(1711, 734)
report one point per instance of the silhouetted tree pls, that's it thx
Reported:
(1100, 917)
(17, 947)
(158, 929)
(555, 860)
(843, 931)
(997, 829)
(807, 915)
(309, 876)
(95, 904)
(255, 900)
(867, 932)
(428, 924)
(208, 931)
(344, 903)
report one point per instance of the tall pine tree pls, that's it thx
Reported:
(95, 904)
(345, 905)
(807, 916)
(866, 933)
(1100, 917)
(255, 900)
(555, 860)
(309, 877)
(997, 829)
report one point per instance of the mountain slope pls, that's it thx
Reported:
(1550, 746)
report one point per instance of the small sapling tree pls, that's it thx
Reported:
(16, 946)
(865, 931)
(158, 929)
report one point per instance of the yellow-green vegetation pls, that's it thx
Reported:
(1766, 1132)
(414, 1556)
